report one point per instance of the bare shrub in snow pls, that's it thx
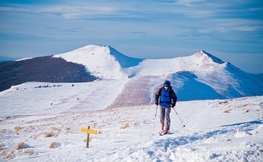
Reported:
(125, 126)
(21, 145)
(68, 130)
(10, 155)
(1, 148)
(247, 111)
(29, 152)
(223, 102)
(48, 134)
(58, 131)
(54, 145)
(17, 129)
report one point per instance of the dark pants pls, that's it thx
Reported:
(165, 117)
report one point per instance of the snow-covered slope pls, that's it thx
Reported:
(42, 121)
(101, 61)
(199, 76)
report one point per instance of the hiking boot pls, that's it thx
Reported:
(166, 131)
(162, 126)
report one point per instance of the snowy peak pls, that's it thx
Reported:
(124, 60)
(101, 61)
(204, 57)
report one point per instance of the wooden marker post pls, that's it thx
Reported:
(87, 143)
(88, 131)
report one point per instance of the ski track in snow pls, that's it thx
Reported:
(216, 130)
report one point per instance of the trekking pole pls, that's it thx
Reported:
(179, 117)
(155, 116)
(156, 111)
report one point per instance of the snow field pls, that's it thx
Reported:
(216, 130)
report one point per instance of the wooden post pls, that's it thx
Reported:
(88, 131)
(87, 144)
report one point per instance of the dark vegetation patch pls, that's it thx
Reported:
(42, 69)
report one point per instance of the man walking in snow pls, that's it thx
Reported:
(166, 98)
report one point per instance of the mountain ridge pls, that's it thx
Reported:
(217, 79)
(198, 76)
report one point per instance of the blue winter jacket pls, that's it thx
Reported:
(166, 98)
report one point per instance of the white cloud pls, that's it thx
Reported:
(79, 11)
(248, 28)
(14, 9)
(189, 2)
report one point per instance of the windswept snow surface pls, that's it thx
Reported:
(42, 121)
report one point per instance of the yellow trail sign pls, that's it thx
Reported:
(90, 131)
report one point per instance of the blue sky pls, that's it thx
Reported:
(229, 29)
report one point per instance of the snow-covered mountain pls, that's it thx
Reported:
(41, 121)
(199, 76)
(101, 61)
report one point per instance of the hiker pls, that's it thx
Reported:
(166, 98)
